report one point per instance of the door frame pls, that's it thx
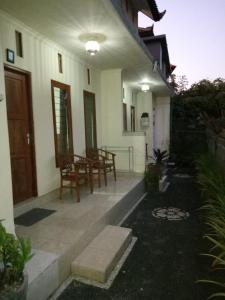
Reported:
(87, 93)
(31, 121)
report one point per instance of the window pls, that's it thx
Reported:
(60, 63)
(88, 76)
(62, 120)
(124, 117)
(19, 44)
(90, 120)
(132, 117)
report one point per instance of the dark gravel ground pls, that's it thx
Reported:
(165, 262)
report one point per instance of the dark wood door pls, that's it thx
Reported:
(90, 120)
(19, 115)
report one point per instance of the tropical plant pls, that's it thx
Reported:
(14, 254)
(211, 177)
(160, 156)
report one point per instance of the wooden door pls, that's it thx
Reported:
(90, 120)
(132, 117)
(19, 113)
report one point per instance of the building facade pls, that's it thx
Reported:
(54, 95)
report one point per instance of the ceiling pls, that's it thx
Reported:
(63, 21)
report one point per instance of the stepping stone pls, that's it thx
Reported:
(100, 257)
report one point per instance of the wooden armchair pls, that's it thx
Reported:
(98, 162)
(106, 159)
(93, 167)
(109, 158)
(72, 174)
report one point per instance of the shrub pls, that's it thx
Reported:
(14, 254)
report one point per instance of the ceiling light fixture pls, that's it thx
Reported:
(92, 47)
(145, 87)
(92, 42)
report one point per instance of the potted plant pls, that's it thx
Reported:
(14, 254)
(154, 171)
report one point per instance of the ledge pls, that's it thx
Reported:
(134, 133)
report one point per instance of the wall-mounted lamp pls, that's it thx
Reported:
(145, 120)
(145, 87)
(92, 47)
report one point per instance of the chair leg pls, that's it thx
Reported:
(105, 177)
(71, 187)
(99, 178)
(60, 192)
(78, 190)
(91, 181)
(114, 171)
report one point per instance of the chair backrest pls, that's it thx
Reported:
(66, 163)
(92, 153)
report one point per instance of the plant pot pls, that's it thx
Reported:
(152, 176)
(15, 292)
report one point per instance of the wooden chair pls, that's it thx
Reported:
(73, 173)
(93, 167)
(106, 158)
(98, 162)
(109, 158)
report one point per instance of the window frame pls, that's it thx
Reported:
(56, 84)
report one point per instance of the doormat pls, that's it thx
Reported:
(33, 216)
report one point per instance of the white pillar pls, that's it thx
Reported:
(162, 123)
(111, 102)
(145, 104)
(6, 199)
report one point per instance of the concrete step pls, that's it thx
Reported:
(100, 257)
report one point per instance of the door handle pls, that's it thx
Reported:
(28, 138)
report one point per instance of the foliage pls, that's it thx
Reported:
(211, 177)
(206, 97)
(153, 171)
(14, 254)
(194, 110)
(160, 156)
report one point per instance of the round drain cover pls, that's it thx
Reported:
(170, 213)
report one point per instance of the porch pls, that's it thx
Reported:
(59, 238)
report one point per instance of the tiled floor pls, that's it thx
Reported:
(60, 237)
(71, 219)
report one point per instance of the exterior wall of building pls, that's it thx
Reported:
(145, 104)
(41, 59)
(155, 49)
(112, 124)
(130, 99)
(6, 200)
(162, 123)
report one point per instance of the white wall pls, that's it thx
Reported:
(162, 123)
(145, 104)
(112, 123)
(129, 99)
(6, 200)
(40, 58)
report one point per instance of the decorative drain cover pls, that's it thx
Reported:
(170, 213)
